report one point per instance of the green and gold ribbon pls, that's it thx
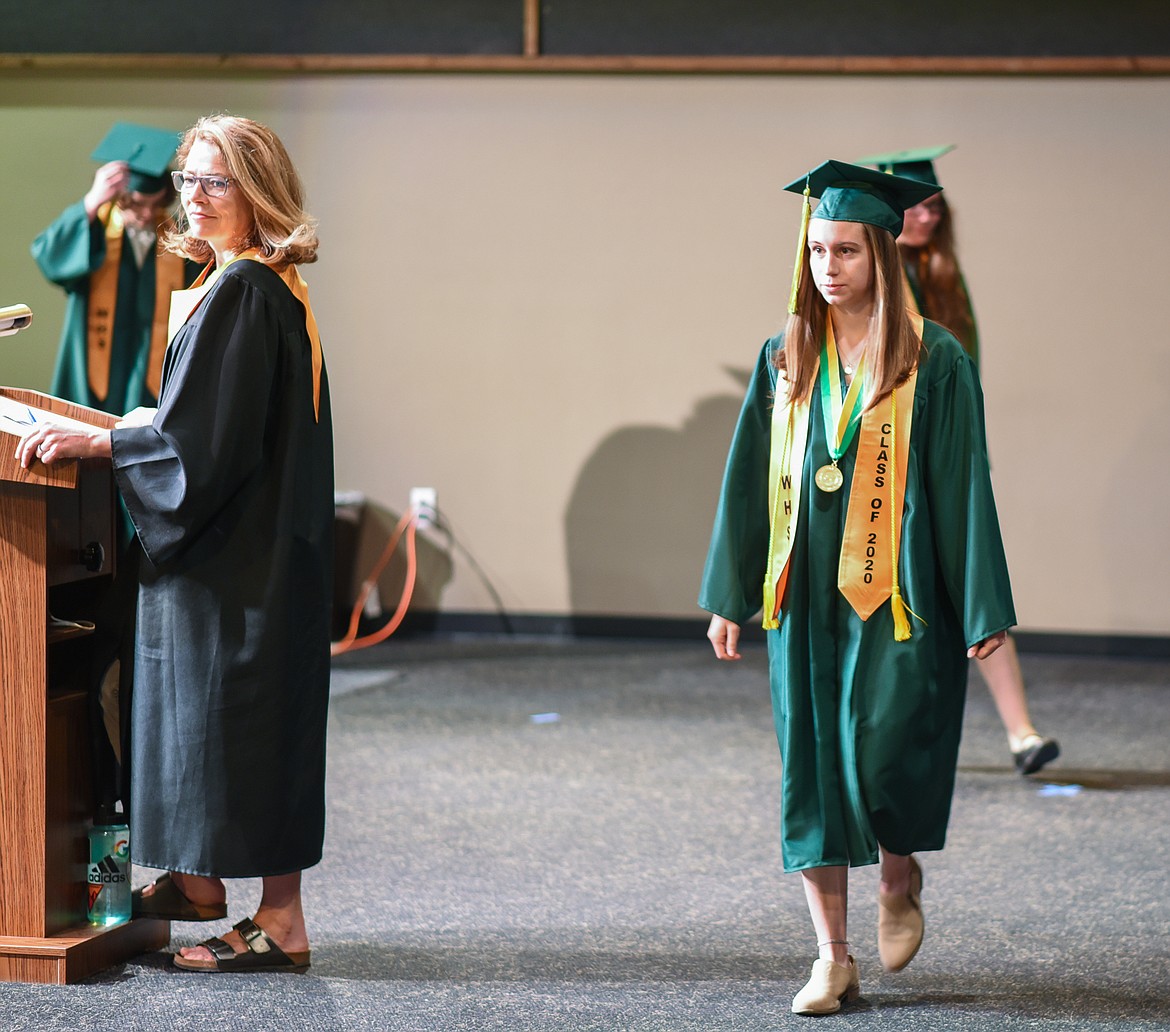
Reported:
(841, 417)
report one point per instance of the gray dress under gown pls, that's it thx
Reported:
(231, 493)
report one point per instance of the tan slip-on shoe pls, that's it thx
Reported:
(829, 985)
(900, 923)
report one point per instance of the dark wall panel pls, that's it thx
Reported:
(708, 28)
(895, 28)
(263, 26)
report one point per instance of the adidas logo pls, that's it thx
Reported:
(105, 872)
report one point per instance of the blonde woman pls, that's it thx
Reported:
(229, 484)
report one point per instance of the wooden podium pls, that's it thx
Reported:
(57, 544)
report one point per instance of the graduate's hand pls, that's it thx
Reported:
(109, 181)
(50, 444)
(141, 416)
(987, 646)
(724, 638)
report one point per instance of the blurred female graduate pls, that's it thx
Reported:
(936, 287)
(857, 505)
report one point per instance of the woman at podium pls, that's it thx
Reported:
(229, 484)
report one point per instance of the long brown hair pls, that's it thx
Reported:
(891, 347)
(940, 283)
(260, 168)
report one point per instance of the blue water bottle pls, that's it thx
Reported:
(109, 868)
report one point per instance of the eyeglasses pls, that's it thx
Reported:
(213, 186)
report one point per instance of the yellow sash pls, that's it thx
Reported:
(785, 476)
(103, 300)
(184, 303)
(868, 567)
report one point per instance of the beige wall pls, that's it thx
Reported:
(539, 296)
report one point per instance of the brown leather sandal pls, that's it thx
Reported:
(262, 954)
(167, 903)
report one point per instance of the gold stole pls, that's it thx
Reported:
(103, 300)
(184, 303)
(867, 573)
(785, 479)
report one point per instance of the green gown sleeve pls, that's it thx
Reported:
(733, 576)
(70, 249)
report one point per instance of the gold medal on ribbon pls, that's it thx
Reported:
(841, 415)
(829, 478)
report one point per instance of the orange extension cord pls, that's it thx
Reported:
(408, 523)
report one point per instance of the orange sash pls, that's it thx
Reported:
(103, 300)
(873, 521)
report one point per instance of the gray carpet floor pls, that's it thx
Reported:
(539, 835)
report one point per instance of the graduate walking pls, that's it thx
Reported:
(857, 508)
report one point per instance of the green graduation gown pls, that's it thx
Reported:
(68, 253)
(231, 493)
(868, 727)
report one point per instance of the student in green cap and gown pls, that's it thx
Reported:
(857, 507)
(103, 252)
(939, 292)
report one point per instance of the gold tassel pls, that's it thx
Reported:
(806, 211)
(901, 621)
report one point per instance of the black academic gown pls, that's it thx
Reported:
(231, 493)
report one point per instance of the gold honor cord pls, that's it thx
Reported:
(840, 418)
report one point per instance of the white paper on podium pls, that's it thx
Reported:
(18, 418)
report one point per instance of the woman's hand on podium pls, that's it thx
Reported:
(50, 443)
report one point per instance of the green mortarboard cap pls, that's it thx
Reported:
(915, 164)
(147, 151)
(854, 193)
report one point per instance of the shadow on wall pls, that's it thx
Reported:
(639, 519)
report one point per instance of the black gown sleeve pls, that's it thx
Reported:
(207, 440)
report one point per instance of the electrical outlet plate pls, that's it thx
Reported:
(424, 501)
